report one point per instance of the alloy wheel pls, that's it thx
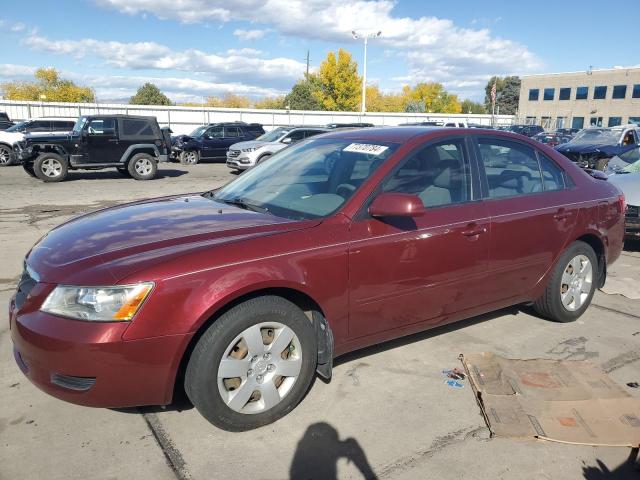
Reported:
(51, 167)
(5, 156)
(576, 283)
(191, 157)
(259, 367)
(143, 166)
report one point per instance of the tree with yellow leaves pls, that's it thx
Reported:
(49, 87)
(340, 88)
(430, 97)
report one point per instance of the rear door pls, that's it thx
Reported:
(407, 271)
(532, 216)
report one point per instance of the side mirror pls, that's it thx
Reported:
(286, 140)
(396, 205)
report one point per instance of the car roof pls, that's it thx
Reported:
(66, 119)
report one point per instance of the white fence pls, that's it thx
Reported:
(185, 119)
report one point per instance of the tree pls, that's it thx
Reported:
(507, 94)
(430, 97)
(149, 94)
(271, 103)
(378, 101)
(340, 82)
(469, 106)
(305, 94)
(230, 100)
(49, 87)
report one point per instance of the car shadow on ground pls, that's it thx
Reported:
(632, 245)
(114, 175)
(318, 452)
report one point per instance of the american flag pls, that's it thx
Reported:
(493, 92)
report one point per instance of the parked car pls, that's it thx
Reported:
(5, 122)
(422, 124)
(338, 242)
(350, 125)
(526, 130)
(593, 147)
(245, 155)
(212, 141)
(456, 124)
(37, 126)
(569, 132)
(551, 139)
(627, 179)
(628, 161)
(132, 144)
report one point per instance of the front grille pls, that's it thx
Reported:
(633, 211)
(234, 153)
(25, 285)
(73, 383)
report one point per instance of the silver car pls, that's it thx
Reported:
(627, 178)
(244, 155)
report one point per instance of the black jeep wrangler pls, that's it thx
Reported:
(132, 144)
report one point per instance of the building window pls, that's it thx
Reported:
(577, 122)
(546, 123)
(635, 120)
(619, 91)
(530, 121)
(533, 94)
(565, 94)
(560, 122)
(636, 91)
(595, 121)
(582, 93)
(614, 121)
(549, 93)
(600, 93)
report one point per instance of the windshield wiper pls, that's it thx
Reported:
(239, 202)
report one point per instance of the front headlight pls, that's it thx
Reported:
(99, 304)
(248, 150)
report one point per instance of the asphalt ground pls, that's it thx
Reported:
(387, 412)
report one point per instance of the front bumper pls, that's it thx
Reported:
(88, 363)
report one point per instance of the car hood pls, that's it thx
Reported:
(629, 183)
(113, 243)
(580, 148)
(11, 137)
(252, 144)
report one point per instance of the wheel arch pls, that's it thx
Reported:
(302, 300)
(598, 246)
(132, 150)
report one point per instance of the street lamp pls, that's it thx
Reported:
(366, 37)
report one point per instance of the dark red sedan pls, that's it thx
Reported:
(339, 242)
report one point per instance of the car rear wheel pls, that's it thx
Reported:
(253, 365)
(571, 285)
(50, 167)
(6, 157)
(142, 166)
(190, 157)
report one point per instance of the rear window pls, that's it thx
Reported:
(255, 129)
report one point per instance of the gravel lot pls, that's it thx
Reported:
(387, 408)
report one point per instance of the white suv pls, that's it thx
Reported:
(36, 126)
(244, 155)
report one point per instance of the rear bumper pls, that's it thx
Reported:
(88, 363)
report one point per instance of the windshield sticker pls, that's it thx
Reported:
(365, 148)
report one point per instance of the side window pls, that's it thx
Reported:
(136, 128)
(511, 168)
(311, 133)
(438, 174)
(215, 132)
(552, 175)
(297, 135)
(102, 126)
(231, 132)
(39, 126)
(62, 126)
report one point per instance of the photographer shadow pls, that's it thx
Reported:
(319, 450)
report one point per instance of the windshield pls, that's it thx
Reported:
(17, 127)
(311, 179)
(77, 128)
(596, 135)
(273, 135)
(198, 131)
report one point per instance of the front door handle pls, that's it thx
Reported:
(473, 230)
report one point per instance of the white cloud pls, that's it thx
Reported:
(237, 65)
(18, 27)
(249, 34)
(435, 49)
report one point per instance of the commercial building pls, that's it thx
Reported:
(581, 99)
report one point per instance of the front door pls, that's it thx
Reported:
(423, 269)
(212, 142)
(101, 141)
(532, 215)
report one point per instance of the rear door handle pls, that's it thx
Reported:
(473, 229)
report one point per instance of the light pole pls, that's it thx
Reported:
(366, 37)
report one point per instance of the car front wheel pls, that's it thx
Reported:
(6, 157)
(571, 285)
(50, 167)
(190, 157)
(142, 166)
(253, 365)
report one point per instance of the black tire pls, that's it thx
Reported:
(123, 171)
(50, 167)
(6, 156)
(142, 166)
(28, 167)
(550, 305)
(189, 157)
(201, 378)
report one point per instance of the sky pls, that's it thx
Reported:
(196, 48)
